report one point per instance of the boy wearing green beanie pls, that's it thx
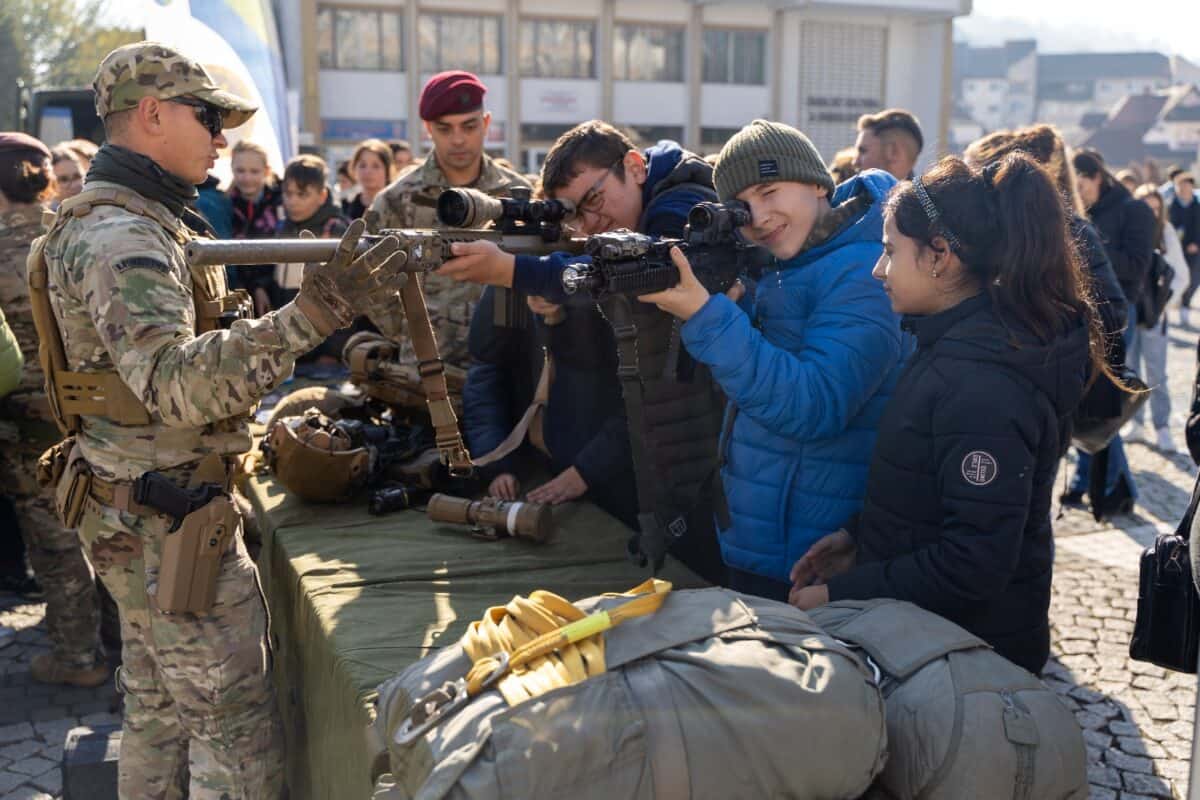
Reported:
(807, 362)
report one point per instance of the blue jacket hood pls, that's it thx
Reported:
(661, 159)
(868, 227)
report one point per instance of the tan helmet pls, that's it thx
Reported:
(314, 459)
(329, 402)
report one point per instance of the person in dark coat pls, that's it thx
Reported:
(1184, 212)
(1126, 227)
(216, 207)
(257, 201)
(581, 437)
(957, 511)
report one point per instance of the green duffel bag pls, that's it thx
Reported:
(714, 695)
(962, 720)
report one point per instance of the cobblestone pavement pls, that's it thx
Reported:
(1137, 718)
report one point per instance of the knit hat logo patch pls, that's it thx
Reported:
(768, 168)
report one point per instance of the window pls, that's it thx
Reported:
(460, 41)
(354, 38)
(556, 49)
(650, 134)
(735, 57)
(542, 131)
(647, 53)
(841, 78)
(716, 137)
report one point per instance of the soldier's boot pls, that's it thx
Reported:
(45, 668)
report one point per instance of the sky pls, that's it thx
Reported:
(1169, 26)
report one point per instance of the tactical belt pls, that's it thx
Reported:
(119, 494)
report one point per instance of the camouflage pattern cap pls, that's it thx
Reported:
(152, 69)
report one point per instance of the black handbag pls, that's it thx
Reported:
(1167, 630)
(1105, 408)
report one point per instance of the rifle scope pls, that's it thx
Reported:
(471, 208)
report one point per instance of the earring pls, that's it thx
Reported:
(935, 273)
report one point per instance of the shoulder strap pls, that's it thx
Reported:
(81, 205)
(72, 394)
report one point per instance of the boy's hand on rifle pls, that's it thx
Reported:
(480, 262)
(685, 299)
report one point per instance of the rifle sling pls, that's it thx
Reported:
(432, 373)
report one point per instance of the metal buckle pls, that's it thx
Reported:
(441, 703)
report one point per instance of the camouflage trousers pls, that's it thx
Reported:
(200, 713)
(72, 604)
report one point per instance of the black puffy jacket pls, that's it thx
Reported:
(1126, 226)
(957, 510)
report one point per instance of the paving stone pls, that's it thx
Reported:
(1100, 793)
(50, 782)
(1100, 775)
(1094, 738)
(1123, 728)
(1089, 721)
(32, 766)
(1151, 785)
(22, 749)
(1128, 763)
(11, 780)
(15, 733)
(1136, 746)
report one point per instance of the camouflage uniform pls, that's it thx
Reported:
(411, 202)
(198, 693)
(72, 606)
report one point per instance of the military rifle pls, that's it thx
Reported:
(627, 263)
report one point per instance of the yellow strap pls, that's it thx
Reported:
(550, 642)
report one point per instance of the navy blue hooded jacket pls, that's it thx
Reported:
(809, 371)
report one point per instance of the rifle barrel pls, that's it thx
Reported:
(205, 252)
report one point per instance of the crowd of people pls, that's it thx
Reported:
(882, 412)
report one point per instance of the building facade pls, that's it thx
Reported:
(688, 70)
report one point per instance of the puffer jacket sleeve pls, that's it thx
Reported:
(850, 344)
(985, 436)
(11, 358)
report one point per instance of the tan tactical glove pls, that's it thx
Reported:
(334, 293)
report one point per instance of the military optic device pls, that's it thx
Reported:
(397, 498)
(516, 214)
(632, 264)
(493, 519)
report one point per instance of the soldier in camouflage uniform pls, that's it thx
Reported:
(72, 605)
(198, 695)
(452, 107)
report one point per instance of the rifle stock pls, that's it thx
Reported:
(426, 249)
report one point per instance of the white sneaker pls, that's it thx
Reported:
(1165, 443)
(1133, 431)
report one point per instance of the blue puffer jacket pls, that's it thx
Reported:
(808, 376)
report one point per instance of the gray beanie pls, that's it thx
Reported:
(764, 152)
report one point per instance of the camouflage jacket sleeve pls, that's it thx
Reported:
(138, 295)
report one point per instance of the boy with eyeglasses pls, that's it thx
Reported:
(613, 184)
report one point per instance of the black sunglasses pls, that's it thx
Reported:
(208, 115)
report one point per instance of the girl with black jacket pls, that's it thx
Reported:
(957, 510)
(1126, 227)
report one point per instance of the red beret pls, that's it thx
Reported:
(15, 140)
(453, 92)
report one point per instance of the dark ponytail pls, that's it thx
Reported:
(1010, 229)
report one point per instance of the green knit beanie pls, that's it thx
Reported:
(765, 152)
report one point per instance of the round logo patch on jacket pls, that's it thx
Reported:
(979, 468)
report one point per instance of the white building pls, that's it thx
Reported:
(997, 86)
(691, 70)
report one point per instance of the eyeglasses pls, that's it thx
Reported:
(207, 114)
(593, 199)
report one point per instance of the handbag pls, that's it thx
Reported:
(1157, 291)
(1106, 408)
(1167, 630)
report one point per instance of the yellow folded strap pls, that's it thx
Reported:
(529, 647)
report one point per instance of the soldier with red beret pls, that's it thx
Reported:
(451, 106)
